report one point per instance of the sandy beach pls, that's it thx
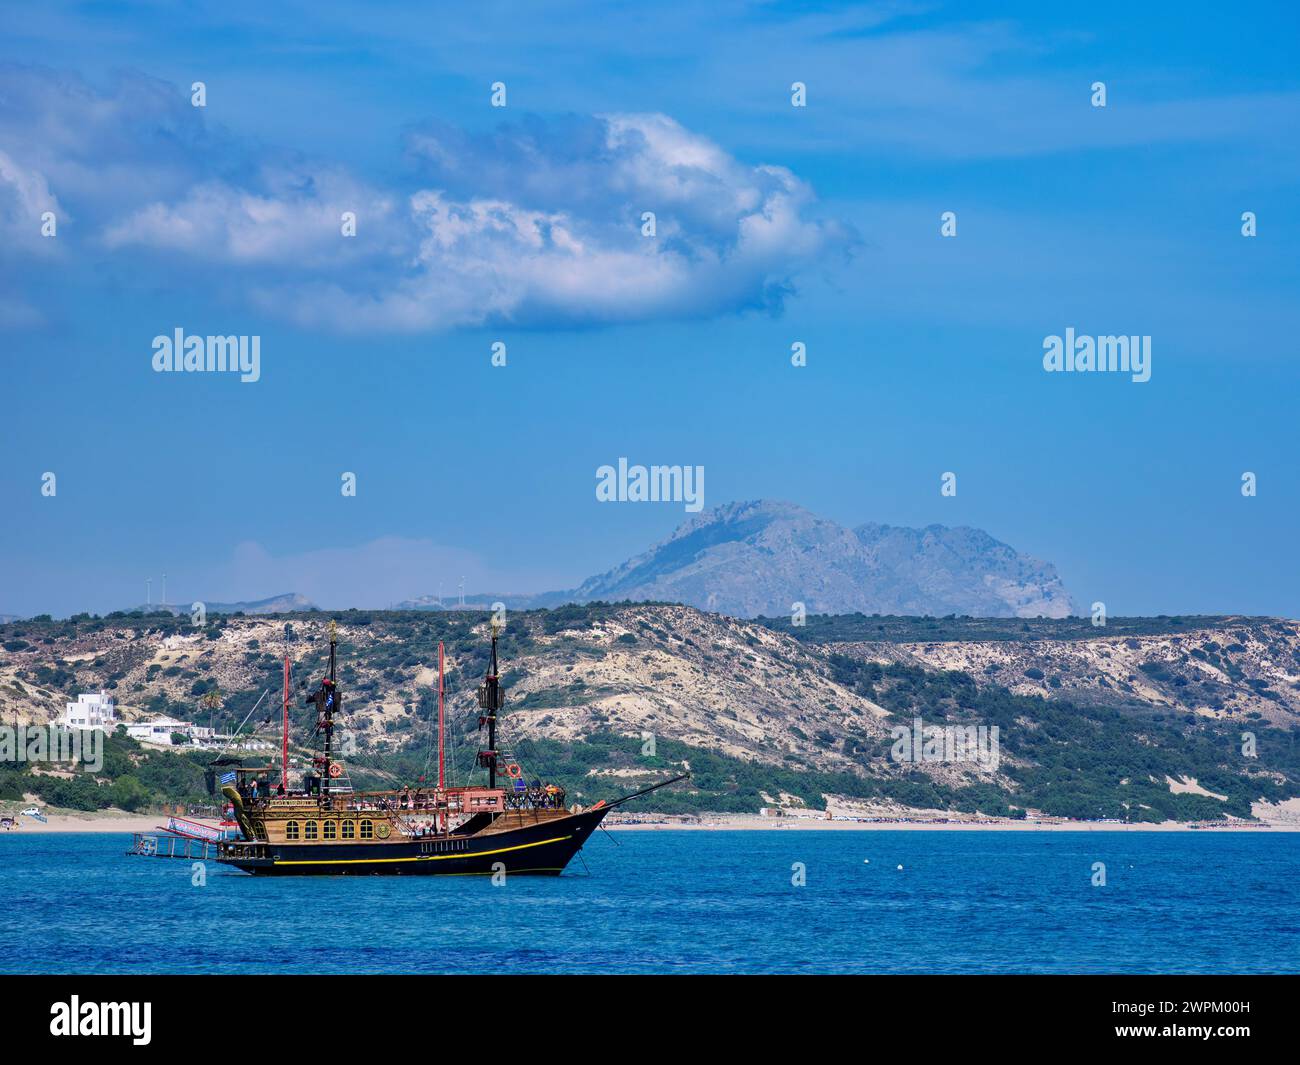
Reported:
(1271, 817)
(100, 822)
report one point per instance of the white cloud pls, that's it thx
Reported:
(296, 221)
(729, 236)
(532, 224)
(24, 196)
(105, 150)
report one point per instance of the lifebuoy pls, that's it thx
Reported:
(514, 771)
(336, 770)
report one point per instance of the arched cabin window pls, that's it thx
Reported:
(331, 829)
(291, 830)
(310, 830)
(349, 829)
(367, 830)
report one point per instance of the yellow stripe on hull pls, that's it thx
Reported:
(421, 857)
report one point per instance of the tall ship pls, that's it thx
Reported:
(324, 827)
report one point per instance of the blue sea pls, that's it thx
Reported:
(683, 901)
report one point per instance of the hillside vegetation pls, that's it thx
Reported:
(1145, 722)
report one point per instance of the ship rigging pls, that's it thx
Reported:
(327, 827)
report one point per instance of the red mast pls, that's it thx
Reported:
(440, 773)
(284, 757)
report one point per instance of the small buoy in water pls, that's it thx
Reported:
(866, 861)
(900, 868)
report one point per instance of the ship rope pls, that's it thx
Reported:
(431, 744)
(235, 735)
(371, 761)
(461, 757)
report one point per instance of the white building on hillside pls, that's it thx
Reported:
(97, 711)
(160, 730)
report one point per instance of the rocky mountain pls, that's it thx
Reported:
(1225, 669)
(1145, 722)
(570, 672)
(285, 603)
(761, 557)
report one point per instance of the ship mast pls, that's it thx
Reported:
(331, 704)
(489, 699)
(326, 700)
(284, 752)
(441, 780)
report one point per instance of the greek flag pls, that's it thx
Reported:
(227, 778)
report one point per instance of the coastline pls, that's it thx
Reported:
(98, 823)
(801, 824)
(125, 823)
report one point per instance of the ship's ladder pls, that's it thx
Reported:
(341, 784)
(505, 759)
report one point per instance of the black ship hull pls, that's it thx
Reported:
(541, 849)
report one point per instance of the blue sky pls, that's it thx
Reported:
(775, 224)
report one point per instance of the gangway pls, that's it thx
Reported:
(170, 845)
(181, 838)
